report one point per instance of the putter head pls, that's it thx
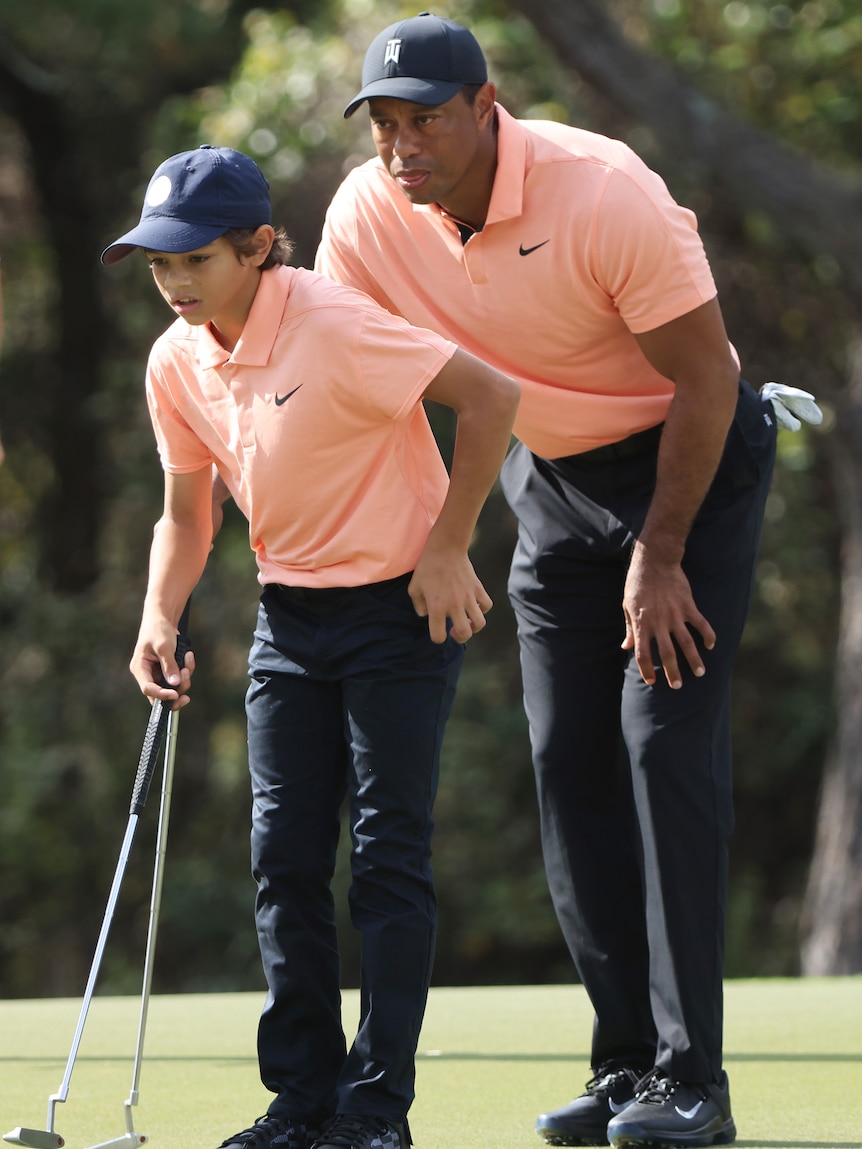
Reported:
(35, 1138)
(129, 1140)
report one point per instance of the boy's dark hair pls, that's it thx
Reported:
(240, 238)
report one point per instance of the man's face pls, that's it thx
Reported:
(430, 151)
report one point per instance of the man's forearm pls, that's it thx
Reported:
(690, 450)
(692, 351)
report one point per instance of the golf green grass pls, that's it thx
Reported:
(489, 1060)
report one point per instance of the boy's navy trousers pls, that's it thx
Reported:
(348, 697)
(634, 781)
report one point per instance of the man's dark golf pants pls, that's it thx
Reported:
(634, 781)
(348, 696)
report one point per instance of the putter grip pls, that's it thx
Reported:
(153, 739)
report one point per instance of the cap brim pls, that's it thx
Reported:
(161, 235)
(416, 91)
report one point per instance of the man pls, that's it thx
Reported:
(639, 479)
(307, 398)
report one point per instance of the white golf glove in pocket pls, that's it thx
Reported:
(792, 406)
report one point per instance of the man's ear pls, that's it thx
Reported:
(262, 240)
(484, 103)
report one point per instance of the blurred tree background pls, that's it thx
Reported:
(93, 95)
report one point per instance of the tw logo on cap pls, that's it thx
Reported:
(392, 55)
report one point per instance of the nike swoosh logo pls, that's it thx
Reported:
(615, 1106)
(688, 1113)
(528, 250)
(284, 398)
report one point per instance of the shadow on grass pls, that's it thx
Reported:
(441, 1055)
(824, 1057)
(798, 1144)
(434, 1055)
(107, 1059)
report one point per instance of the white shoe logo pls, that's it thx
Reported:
(615, 1107)
(688, 1113)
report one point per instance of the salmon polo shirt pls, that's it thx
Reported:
(583, 248)
(316, 425)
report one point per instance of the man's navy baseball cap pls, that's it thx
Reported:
(425, 60)
(195, 197)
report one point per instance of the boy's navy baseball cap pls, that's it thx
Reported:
(195, 197)
(425, 60)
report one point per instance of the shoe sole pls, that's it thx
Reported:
(552, 1138)
(724, 1136)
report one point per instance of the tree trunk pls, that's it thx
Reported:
(811, 203)
(832, 912)
(71, 371)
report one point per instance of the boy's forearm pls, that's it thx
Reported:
(481, 444)
(177, 559)
(485, 403)
(181, 543)
(444, 585)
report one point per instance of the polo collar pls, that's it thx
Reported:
(261, 328)
(507, 194)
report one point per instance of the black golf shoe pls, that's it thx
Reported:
(584, 1121)
(354, 1131)
(674, 1113)
(269, 1132)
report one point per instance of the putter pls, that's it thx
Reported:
(162, 721)
(130, 1139)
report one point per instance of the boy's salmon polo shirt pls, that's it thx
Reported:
(583, 248)
(315, 423)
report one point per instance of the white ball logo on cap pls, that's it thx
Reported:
(158, 191)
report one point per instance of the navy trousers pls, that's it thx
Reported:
(634, 781)
(348, 696)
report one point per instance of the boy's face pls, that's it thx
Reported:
(208, 285)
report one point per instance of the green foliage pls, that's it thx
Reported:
(71, 721)
(795, 68)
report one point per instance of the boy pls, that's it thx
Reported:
(306, 396)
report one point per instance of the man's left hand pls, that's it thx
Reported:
(661, 615)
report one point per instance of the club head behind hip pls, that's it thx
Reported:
(35, 1138)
